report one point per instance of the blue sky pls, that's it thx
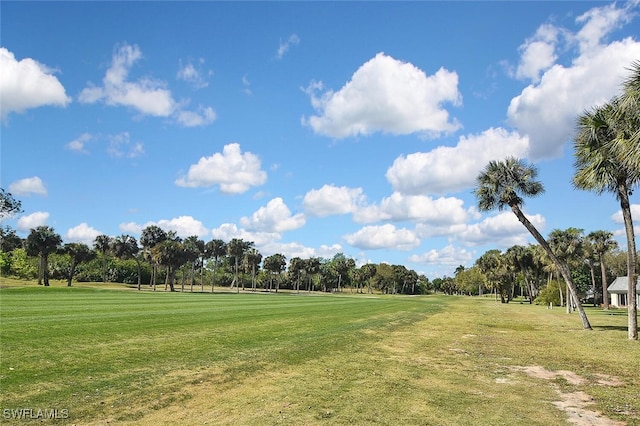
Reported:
(310, 128)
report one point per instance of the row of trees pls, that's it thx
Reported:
(607, 159)
(163, 255)
(527, 270)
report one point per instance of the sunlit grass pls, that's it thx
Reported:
(181, 358)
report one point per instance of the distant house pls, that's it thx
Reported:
(618, 291)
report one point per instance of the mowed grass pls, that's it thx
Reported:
(128, 357)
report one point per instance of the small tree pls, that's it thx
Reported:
(79, 253)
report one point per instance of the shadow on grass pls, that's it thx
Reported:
(611, 327)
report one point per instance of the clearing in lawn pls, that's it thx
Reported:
(101, 356)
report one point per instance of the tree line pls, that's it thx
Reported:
(163, 258)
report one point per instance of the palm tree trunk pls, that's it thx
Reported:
(632, 279)
(605, 292)
(561, 266)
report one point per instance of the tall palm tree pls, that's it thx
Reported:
(505, 183)
(126, 247)
(150, 237)
(602, 243)
(567, 245)
(215, 250)
(102, 244)
(630, 107)
(236, 249)
(41, 242)
(600, 146)
(251, 262)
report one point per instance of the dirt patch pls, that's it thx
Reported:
(574, 403)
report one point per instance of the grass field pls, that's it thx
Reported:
(113, 356)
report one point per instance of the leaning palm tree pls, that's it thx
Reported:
(601, 167)
(505, 183)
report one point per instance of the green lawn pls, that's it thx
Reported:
(116, 356)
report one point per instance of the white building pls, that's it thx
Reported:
(618, 291)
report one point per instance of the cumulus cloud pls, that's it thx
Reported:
(228, 231)
(386, 95)
(332, 200)
(449, 255)
(82, 233)
(274, 217)
(28, 186)
(384, 236)
(233, 170)
(416, 208)
(183, 226)
(538, 54)
(503, 230)
(563, 92)
(146, 95)
(26, 84)
(33, 220)
(452, 169)
(285, 45)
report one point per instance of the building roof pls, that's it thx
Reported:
(620, 285)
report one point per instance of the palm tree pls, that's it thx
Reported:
(630, 109)
(102, 244)
(236, 249)
(567, 245)
(251, 262)
(126, 247)
(505, 183)
(600, 147)
(150, 237)
(602, 243)
(79, 253)
(276, 264)
(215, 250)
(41, 242)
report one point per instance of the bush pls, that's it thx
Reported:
(550, 294)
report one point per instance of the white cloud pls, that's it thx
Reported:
(27, 84)
(564, 92)
(28, 186)
(332, 200)
(386, 95)
(503, 230)
(183, 226)
(384, 236)
(635, 215)
(79, 143)
(449, 255)
(538, 53)
(194, 74)
(418, 208)
(82, 233)
(33, 220)
(274, 217)
(452, 169)
(147, 96)
(233, 170)
(292, 40)
(201, 117)
(120, 145)
(228, 231)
